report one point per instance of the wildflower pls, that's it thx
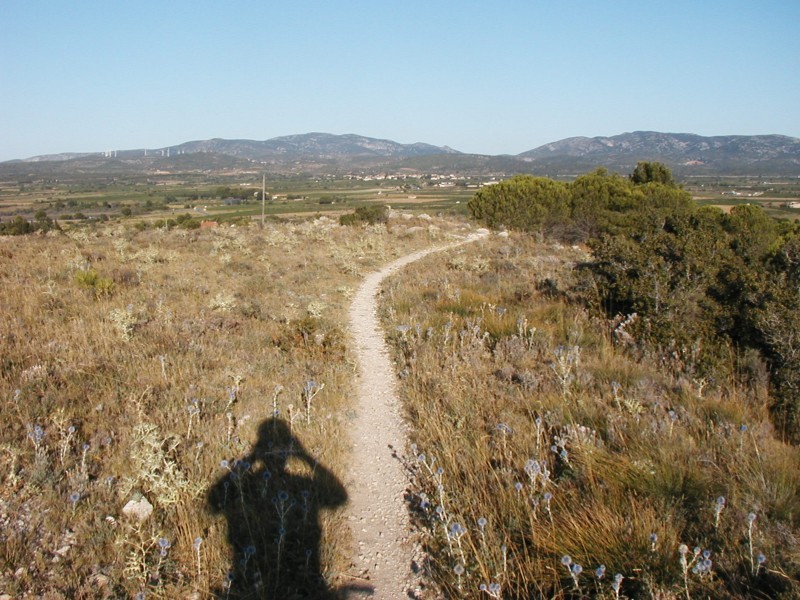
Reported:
(761, 559)
(751, 518)
(600, 572)
(566, 560)
(653, 541)
(36, 434)
(617, 583)
(482, 523)
(458, 570)
(74, 497)
(702, 567)
(456, 530)
(518, 486)
(576, 569)
(719, 505)
(197, 542)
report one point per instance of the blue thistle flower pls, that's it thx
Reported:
(600, 572)
(617, 584)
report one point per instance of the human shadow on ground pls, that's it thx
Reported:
(273, 519)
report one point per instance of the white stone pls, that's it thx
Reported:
(139, 509)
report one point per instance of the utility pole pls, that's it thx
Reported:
(263, 197)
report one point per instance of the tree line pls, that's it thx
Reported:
(694, 285)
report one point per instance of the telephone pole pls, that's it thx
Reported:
(263, 197)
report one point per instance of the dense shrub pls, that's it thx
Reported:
(522, 202)
(20, 226)
(369, 215)
(697, 280)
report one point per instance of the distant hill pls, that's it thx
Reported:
(685, 153)
(323, 153)
(313, 146)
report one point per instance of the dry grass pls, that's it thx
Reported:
(133, 363)
(536, 438)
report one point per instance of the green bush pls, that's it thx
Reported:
(92, 281)
(523, 202)
(366, 214)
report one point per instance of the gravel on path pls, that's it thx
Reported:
(383, 545)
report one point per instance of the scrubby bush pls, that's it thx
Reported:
(691, 281)
(92, 281)
(21, 226)
(366, 215)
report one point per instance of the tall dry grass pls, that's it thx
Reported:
(136, 368)
(548, 462)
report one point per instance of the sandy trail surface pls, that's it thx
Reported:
(383, 551)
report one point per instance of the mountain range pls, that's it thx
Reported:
(686, 154)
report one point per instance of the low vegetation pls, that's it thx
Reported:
(150, 379)
(558, 454)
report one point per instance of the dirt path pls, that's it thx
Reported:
(383, 548)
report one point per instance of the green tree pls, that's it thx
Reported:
(527, 203)
(600, 202)
(652, 172)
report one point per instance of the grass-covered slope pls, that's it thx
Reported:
(554, 458)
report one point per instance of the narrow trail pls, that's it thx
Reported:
(383, 547)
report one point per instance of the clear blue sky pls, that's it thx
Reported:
(484, 77)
